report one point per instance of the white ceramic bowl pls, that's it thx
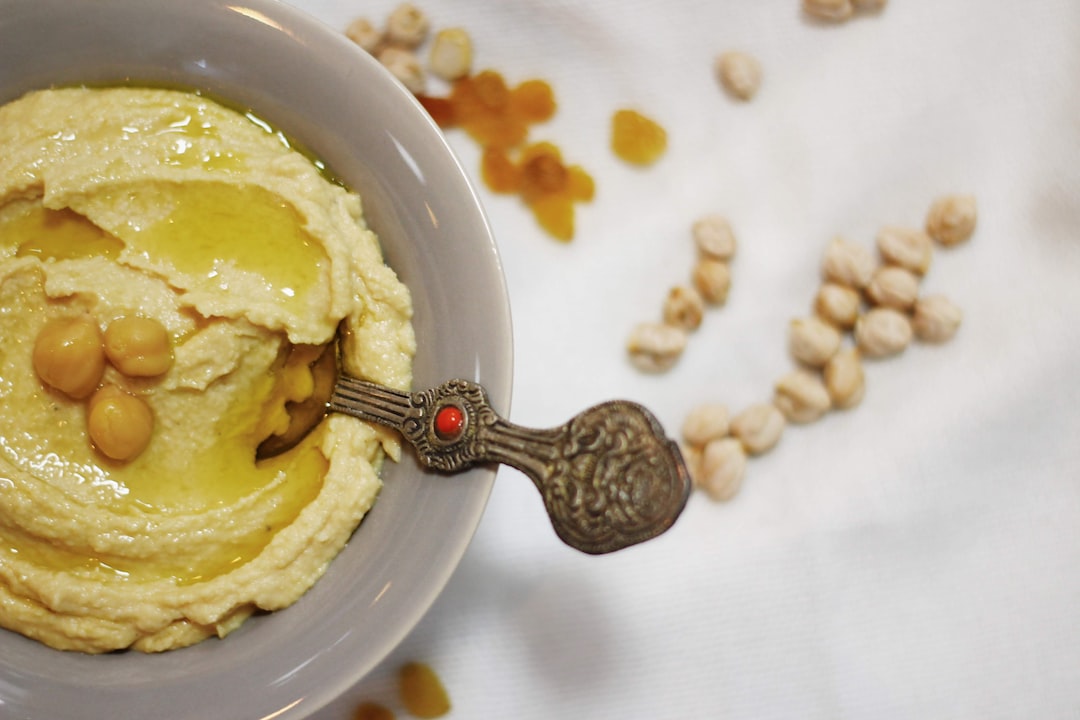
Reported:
(312, 83)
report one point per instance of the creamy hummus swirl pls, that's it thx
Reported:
(163, 204)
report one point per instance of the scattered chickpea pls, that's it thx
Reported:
(451, 54)
(723, 466)
(893, 287)
(119, 424)
(714, 237)
(655, 347)
(405, 66)
(837, 304)
(407, 26)
(739, 73)
(801, 396)
(848, 264)
(812, 341)
(758, 427)
(870, 5)
(908, 248)
(68, 355)
(882, 332)
(831, 10)
(138, 346)
(936, 319)
(951, 219)
(706, 422)
(684, 308)
(845, 379)
(364, 34)
(712, 278)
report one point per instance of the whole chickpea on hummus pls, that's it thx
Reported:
(212, 260)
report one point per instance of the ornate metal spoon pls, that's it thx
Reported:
(609, 477)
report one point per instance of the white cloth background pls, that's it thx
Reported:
(916, 557)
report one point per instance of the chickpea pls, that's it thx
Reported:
(714, 237)
(883, 332)
(723, 466)
(706, 422)
(451, 54)
(684, 308)
(404, 65)
(712, 279)
(407, 26)
(831, 10)
(68, 355)
(845, 379)
(119, 424)
(838, 304)
(739, 73)
(951, 219)
(846, 263)
(364, 34)
(812, 341)
(758, 427)
(655, 347)
(893, 287)
(138, 346)
(802, 396)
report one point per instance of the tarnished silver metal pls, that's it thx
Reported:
(609, 477)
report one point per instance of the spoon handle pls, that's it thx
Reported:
(609, 477)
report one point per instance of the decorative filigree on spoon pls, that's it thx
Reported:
(609, 477)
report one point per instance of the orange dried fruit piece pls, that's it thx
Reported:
(542, 171)
(636, 138)
(533, 101)
(441, 110)
(422, 691)
(499, 172)
(495, 131)
(372, 711)
(580, 183)
(480, 105)
(490, 89)
(555, 214)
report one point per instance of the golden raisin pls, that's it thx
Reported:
(497, 117)
(533, 101)
(372, 711)
(441, 110)
(422, 692)
(580, 184)
(637, 139)
(499, 172)
(491, 90)
(543, 174)
(555, 213)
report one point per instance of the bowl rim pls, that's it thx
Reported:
(301, 691)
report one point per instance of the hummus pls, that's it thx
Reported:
(162, 204)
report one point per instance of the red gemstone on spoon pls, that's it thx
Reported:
(449, 422)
